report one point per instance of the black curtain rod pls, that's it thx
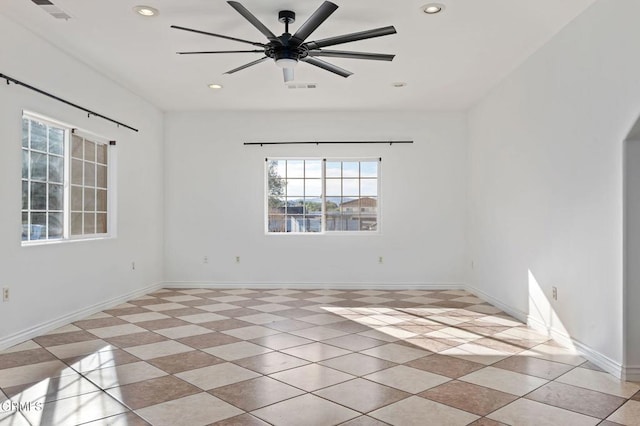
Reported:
(324, 143)
(42, 92)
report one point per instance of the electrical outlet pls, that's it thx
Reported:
(380, 259)
(237, 259)
(5, 294)
(133, 266)
(205, 259)
(554, 293)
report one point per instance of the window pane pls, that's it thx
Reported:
(89, 199)
(56, 169)
(38, 226)
(314, 223)
(25, 226)
(101, 200)
(333, 169)
(76, 172)
(56, 201)
(277, 223)
(101, 223)
(89, 223)
(350, 187)
(350, 205)
(56, 141)
(76, 147)
(25, 195)
(334, 187)
(89, 151)
(369, 169)
(55, 225)
(312, 205)
(89, 174)
(102, 176)
(38, 136)
(38, 196)
(76, 223)
(38, 166)
(102, 153)
(295, 187)
(295, 168)
(25, 164)
(350, 169)
(313, 187)
(76, 198)
(278, 168)
(313, 169)
(25, 133)
(369, 187)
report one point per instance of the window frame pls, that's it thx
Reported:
(324, 161)
(69, 132)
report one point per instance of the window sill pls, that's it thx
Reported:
(67, 241)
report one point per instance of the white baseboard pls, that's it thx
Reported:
(602, 361)
(631, 373)
(313, 286)
(517, 314)
(42, 328)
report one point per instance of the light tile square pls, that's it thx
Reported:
(416, 411)
(164, 306)
(396, 353)
(530, 413)
(116, 330)
(194, 410)
(217, 375)
(76, 410)
(407, 379)
(147, 316)
(315, 352)
(218, 307)
(263, 318)
(305, 410)
(156, 350)
(251, 332)
(358, 364)
(476, 353)
(79, 348)
(183, 331)
(312, 377)
(319, 333)
(599, 381)
(628, 414)
(204, 317)
(504, 381)
(124, 374)
(237, 350)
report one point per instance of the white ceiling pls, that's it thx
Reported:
(448, 61)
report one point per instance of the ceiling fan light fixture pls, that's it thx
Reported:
(286, 62)
(215, 86)
(399, 84)
(146, 11)
(432, 8)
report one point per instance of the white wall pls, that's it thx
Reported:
(632, 255)
(545, 179)
(214, 200)
(50, 282)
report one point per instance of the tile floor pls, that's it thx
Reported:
(288, 357)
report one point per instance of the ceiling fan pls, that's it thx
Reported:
(287, 50)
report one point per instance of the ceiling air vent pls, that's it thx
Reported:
(302, 85)
(51, 9)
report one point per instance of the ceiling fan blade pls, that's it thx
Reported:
(352, 55)
(288, 74)
(220, 51)
(218, 35)
(319, 16)
(250, 64)
(347, 38)
(252, 19)
(327, 66)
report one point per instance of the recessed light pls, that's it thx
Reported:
(399, 84)
(432, 8)
(146, 11)
(215, 86)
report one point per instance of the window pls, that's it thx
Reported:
(322, 195)
(65, 179)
